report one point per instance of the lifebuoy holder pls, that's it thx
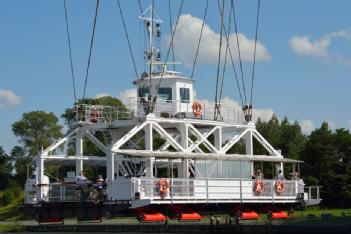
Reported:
(163, 186)
(259, 186)
(197, 108)
(279, 186)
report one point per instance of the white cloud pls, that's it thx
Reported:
(332, 125)
(187, 36)
(8, 99)
(99, 95)
(232, 109)
(128, 96)
(264, 114)
(319, 48)
(307, 126)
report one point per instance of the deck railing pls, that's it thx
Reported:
(184, 190)
(60, 192)
(213, 189)
(166, 109)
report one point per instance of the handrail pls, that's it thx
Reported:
(163, 108)
(213, 189)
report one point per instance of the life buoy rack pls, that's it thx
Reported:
(94, 116)
(259, 186)
(163, 186)
(279, 186)
(197, 109)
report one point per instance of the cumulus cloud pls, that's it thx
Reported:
(231, 110)
(8, 99)
(99, 95)
(319, 48)
(307, 126)
(128, 96)
(187, 36)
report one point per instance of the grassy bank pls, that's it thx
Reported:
(11, 211)
(11, 228)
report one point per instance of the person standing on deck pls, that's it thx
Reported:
(280, 175)
(81, 179)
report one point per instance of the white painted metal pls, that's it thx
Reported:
(131, 132)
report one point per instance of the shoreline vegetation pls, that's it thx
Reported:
(308, 217)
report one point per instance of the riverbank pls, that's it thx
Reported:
(313, 221)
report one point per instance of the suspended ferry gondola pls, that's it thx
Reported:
(193, 165)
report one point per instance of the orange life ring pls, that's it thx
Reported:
(259, 186)
(197, 108)
(94, 116)
(279, 186)
(163, 186)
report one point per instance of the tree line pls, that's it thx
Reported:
(326, 153)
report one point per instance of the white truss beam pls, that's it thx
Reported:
(96, 142)
(203, 138)
(168, 137)
(60, 141)
(198, 149)
(233, 141)
(265, 143)
(167, 144)
(129, 135)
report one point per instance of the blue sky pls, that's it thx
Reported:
(304, 75)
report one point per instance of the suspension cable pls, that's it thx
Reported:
(141, 13)
(254, 62)
(239, 53)
(170, 28)
(232, 60)
(217, 108)
(169, 49)
(151, 52)
(199, 41)
(129, 44)
(70, 52)
(225, 57)
(91, 47)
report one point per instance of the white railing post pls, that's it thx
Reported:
(171, 190)
(207, 190)
(309, 192)
(241, 189)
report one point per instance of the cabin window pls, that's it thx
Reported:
(165, 94)
(143, 92)
(211, 169)
(223, 169)
(200, 169)
(240, 169)
(184, 95)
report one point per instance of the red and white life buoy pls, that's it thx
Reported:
(163, 186)
(94, 116)
(197, 109)
(259, 186)
(279, 186)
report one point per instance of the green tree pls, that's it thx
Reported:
(5, 169)
(5, 162)
(270, 131)
(324, 163)
(292, 140)
(37, 130)
(22, 164)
